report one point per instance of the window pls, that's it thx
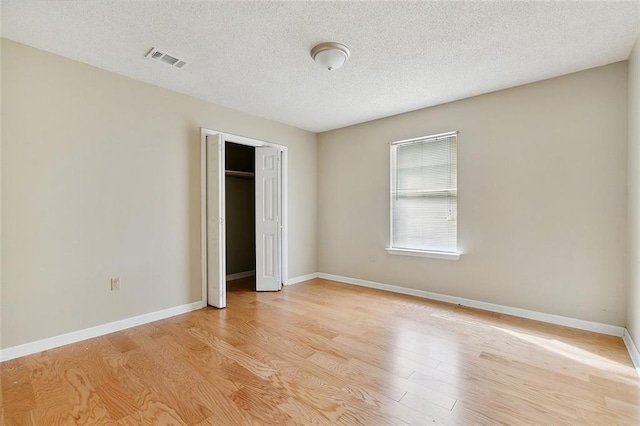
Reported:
(424, 197)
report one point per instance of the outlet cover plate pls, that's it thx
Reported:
(115, 284)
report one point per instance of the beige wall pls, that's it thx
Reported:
(542, 198)
(101, 178)
(633, 309)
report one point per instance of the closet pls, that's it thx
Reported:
(240, 208)
(243, 215)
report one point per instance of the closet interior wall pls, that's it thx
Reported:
(240, 208)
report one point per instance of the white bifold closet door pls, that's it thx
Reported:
(216, 283)
(267, 182)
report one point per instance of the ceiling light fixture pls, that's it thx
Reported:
(330, 55)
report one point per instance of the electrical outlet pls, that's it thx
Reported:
(115, 284)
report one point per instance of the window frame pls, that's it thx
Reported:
(393, 165)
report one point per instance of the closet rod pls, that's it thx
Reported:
(237, 173)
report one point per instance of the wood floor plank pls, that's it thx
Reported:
(116, 400)
(17, 390)
(342, 368)
(50, 392)
(153, 413)
(86, 406)
(157, 377)
(322, 353)
(251, 364)
(302, 413)
(441, 407)
(22, 418)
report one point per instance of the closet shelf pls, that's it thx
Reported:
(236, 173)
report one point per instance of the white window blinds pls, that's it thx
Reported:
(424, 193)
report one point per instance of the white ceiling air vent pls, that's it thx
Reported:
(166, 58)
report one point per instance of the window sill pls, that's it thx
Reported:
(423, 253)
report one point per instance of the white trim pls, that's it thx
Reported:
(425, 138)
(632, 349)
(99, 330)
(239, 275)
(597, 327)
(203, 214)
(284, 219)
(423, 253)
(302, 278)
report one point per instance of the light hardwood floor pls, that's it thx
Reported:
(327, 353)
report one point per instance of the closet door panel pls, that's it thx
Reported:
(216, 283)
(267, 181)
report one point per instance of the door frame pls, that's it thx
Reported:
(242, 140)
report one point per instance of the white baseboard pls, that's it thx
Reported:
(597, 327)
(302, 278)
(239, 275)
(633, 350)
(99, 330)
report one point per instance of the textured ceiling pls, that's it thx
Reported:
(254, 56)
